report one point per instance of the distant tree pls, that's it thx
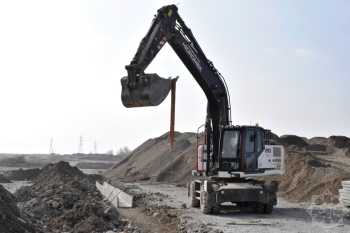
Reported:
(123, 151)
(110, 152)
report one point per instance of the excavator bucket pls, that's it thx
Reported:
(151, 90)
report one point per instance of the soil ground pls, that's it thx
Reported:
(313, 167)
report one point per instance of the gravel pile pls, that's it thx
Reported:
(63, 199)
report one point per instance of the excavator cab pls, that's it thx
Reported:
(144, 90)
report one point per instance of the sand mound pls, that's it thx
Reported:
(290, 140)
(338, 145)
(307, 175)
(152, 160)
(316, 140)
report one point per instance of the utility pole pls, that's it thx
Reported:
(51, 148)
(80, 151)
(95, 146)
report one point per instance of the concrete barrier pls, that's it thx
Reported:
(344, 193)
(117, 197)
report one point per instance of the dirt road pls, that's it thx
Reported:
(286, 216)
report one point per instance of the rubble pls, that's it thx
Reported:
(61, 199)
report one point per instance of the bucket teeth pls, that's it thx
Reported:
(150, 90)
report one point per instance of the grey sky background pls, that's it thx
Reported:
(286, 64)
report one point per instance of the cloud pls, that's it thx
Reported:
(304, 52)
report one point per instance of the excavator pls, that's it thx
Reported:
(229, 155)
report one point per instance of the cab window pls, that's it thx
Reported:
(249, 141)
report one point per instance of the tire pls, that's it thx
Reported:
(268, 209)
(241, 204)
(194, 201)
(216, 209)
(206, 209)
(258, 207)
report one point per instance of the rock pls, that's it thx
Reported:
(48, 193)
(55, 204)
(57, 213)
(183, 206)
(131, 224)
(115, 223)
(111, 213)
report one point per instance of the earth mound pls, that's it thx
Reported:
(63, 200)
(19, 161)
(152, 160)
(4, 179)
(305, 175)
(21, 174)
(290, 140)
(316, 140)
(11, 218)
(338, 146)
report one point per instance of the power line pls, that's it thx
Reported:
(51, 149)
(80, 150)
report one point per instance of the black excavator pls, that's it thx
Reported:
(228, 154)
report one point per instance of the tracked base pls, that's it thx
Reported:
(148, 90)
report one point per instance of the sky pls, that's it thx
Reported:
(286, 64)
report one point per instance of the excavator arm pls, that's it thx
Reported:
(140, 89)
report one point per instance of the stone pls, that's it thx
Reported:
(48, 193)
(55, 204)
(111, 213)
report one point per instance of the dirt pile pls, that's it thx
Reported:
(316, 140)
(63, 199)
(291, 140)
(152, 160)
(21, 174)
(13, 219)
(4, 179)
(338, 145)
(310, 169)
(307, 175)
(19, 161)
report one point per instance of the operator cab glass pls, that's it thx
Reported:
(240, 149)
(230, 156)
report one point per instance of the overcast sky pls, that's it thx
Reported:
(286, 64)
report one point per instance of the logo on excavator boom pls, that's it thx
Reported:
(170, 12)
(192, 56)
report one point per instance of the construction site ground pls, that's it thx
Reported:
(61, 198)
(164, 200)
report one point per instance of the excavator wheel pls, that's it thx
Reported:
(268, 209)
(261, 208)
(194, 201)
(206, 209)
(216, 209)
(258, 207)
(147, 90)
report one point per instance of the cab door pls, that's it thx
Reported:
(250, 163)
